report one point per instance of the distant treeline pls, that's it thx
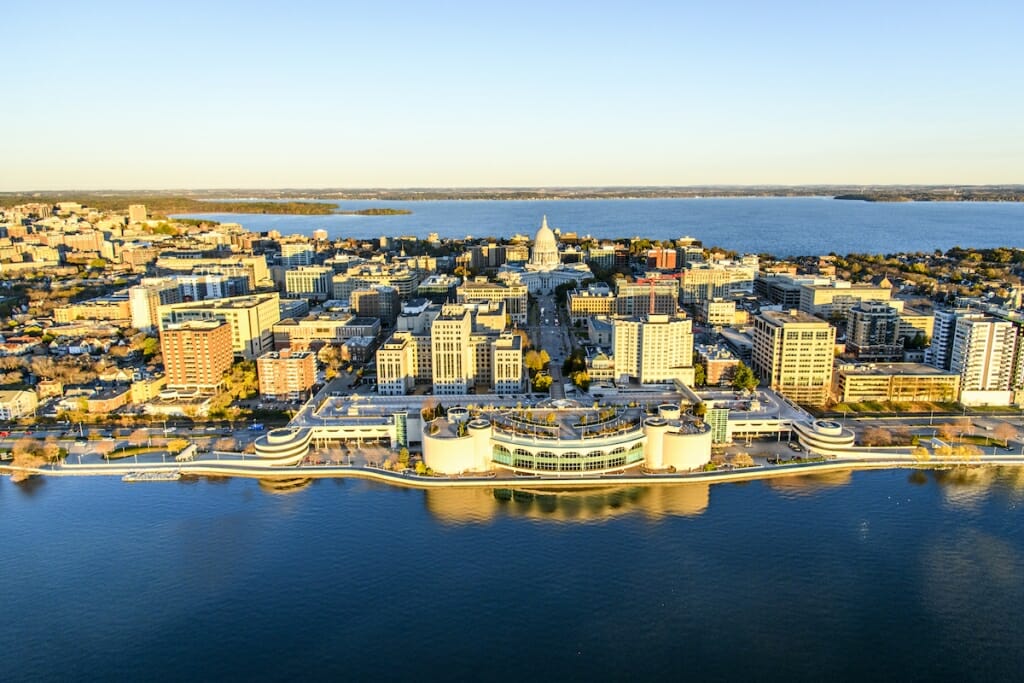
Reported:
(939, 195)
(377, 212)
(161, 206)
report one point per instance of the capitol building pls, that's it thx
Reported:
(545, 269)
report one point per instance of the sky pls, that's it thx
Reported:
(124, 95)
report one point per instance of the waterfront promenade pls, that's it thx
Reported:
(251, 468)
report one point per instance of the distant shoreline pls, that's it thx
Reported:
(324, 201)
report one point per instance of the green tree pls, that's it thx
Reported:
(699, 375)
(743, 378)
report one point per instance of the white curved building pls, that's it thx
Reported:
(564, 442)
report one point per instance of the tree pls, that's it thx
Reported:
(545, 359)
(581, 379)
(743, 378)
(699, 375)
(542, 382)
(139, 437)
(177, 445)
(51, 448)
(226, 443)
(241, 381)
(1005, 432)
(533, 362)
(946, 431)
(742, 460)
(403, 457)
(876, 436)
(26, 453)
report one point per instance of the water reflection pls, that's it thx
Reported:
(284, 486)
(481, 505)
(801, 485)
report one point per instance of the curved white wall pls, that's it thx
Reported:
(448, 454)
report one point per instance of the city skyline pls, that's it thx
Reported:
(133, 97)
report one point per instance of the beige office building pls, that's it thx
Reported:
(793, 353)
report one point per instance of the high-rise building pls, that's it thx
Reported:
(793, 352)
(653, 349)
(940, 353)
(286, 375)
(983, 353)
(873, 332)
(196, 354)
(453, 357)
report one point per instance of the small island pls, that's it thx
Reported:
(377, 212)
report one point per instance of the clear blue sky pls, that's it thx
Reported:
(318, 94)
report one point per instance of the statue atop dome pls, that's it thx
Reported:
(545, 248)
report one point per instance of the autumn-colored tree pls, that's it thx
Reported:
(742, 460)
(51, 448)
(1004, 431)
(27, 453)
(139, 437)
(876, 436)
(946, 431)
(177, 445)
(226, 443)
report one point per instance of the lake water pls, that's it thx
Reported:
(780, 226)
(865, 576)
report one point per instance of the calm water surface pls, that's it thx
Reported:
(873, 575)
(780, 226)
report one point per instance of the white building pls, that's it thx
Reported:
(654, 349)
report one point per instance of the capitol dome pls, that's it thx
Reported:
(545, 247)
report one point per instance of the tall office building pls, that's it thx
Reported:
(453, 357)
(196, 354)
(793, 353)
(653, 349)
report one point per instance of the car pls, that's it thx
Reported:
(4, 435)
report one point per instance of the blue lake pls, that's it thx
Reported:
(863, 576)
(780, 226)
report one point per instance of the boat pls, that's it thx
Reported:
(172, 475)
